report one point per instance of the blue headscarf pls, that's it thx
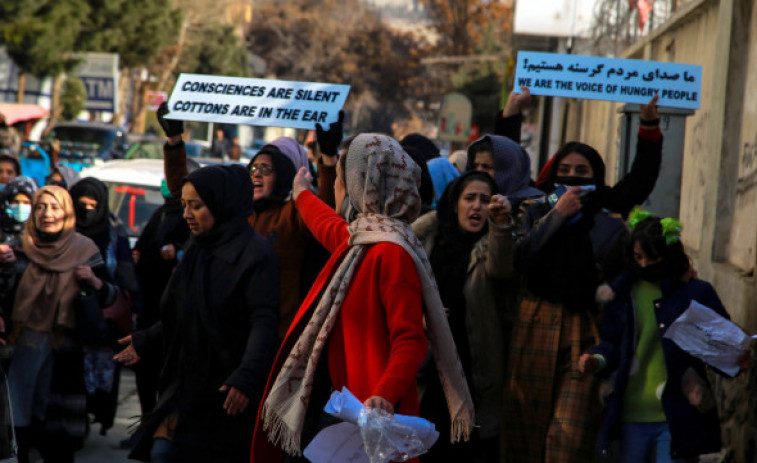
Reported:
(442, 173)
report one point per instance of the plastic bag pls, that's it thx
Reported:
(386, 439)
(345, 406)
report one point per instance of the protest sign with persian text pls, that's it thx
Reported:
(612, 79)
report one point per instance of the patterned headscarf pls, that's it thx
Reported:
(382, 184)
(382, 178)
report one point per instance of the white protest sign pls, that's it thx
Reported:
(708, 336)
(612, 79)
(240, 100)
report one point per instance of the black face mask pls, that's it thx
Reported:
(573, 181)
(85, 217)
(653, 273)
(48, 237)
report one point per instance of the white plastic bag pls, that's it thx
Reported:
(385, 439)
(384, 436)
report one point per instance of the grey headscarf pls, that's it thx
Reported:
(512, 167)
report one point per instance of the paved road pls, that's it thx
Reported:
(99, 449)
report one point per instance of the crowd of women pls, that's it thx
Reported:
(458, 290)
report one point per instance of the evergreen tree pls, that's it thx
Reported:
(215, 50)
(40, 35)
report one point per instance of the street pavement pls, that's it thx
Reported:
(99, 449)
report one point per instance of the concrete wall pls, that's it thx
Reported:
(719, 181)
(719, 172)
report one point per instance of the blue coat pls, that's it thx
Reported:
(693, 432)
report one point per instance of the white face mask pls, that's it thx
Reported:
(19, 212)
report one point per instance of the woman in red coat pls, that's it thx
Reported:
(361, 325)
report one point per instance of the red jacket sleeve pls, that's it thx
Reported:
(328, 227)
(402, 299)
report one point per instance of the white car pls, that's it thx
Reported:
(133, 190)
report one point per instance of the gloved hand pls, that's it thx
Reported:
(329, 140)
(171, 127)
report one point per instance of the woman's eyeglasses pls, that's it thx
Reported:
(264, 170)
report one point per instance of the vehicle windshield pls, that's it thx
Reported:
(82, 135)
(79, 140)
(145, 150)
(133, 204)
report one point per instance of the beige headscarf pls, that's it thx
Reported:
(382, 186)
(47, 288)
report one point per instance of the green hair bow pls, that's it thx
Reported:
(637, 215)
(671, 230)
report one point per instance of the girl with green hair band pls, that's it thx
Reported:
(661, 407)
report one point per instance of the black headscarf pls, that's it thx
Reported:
(423, 144)
(93, 223)
(451, 255)
(285, 172)
(591, 155)
(227, 191)
(565, 269)
(426, 187)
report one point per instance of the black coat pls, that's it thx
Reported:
(228, 337)
(166, 226)
(564, 263)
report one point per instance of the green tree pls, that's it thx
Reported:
(72, 98)
(43, 36)
(40, 35)
(138, 30)
(215, 49)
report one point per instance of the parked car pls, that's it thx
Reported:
(82, 140)
(145, 147)
(133, 190)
